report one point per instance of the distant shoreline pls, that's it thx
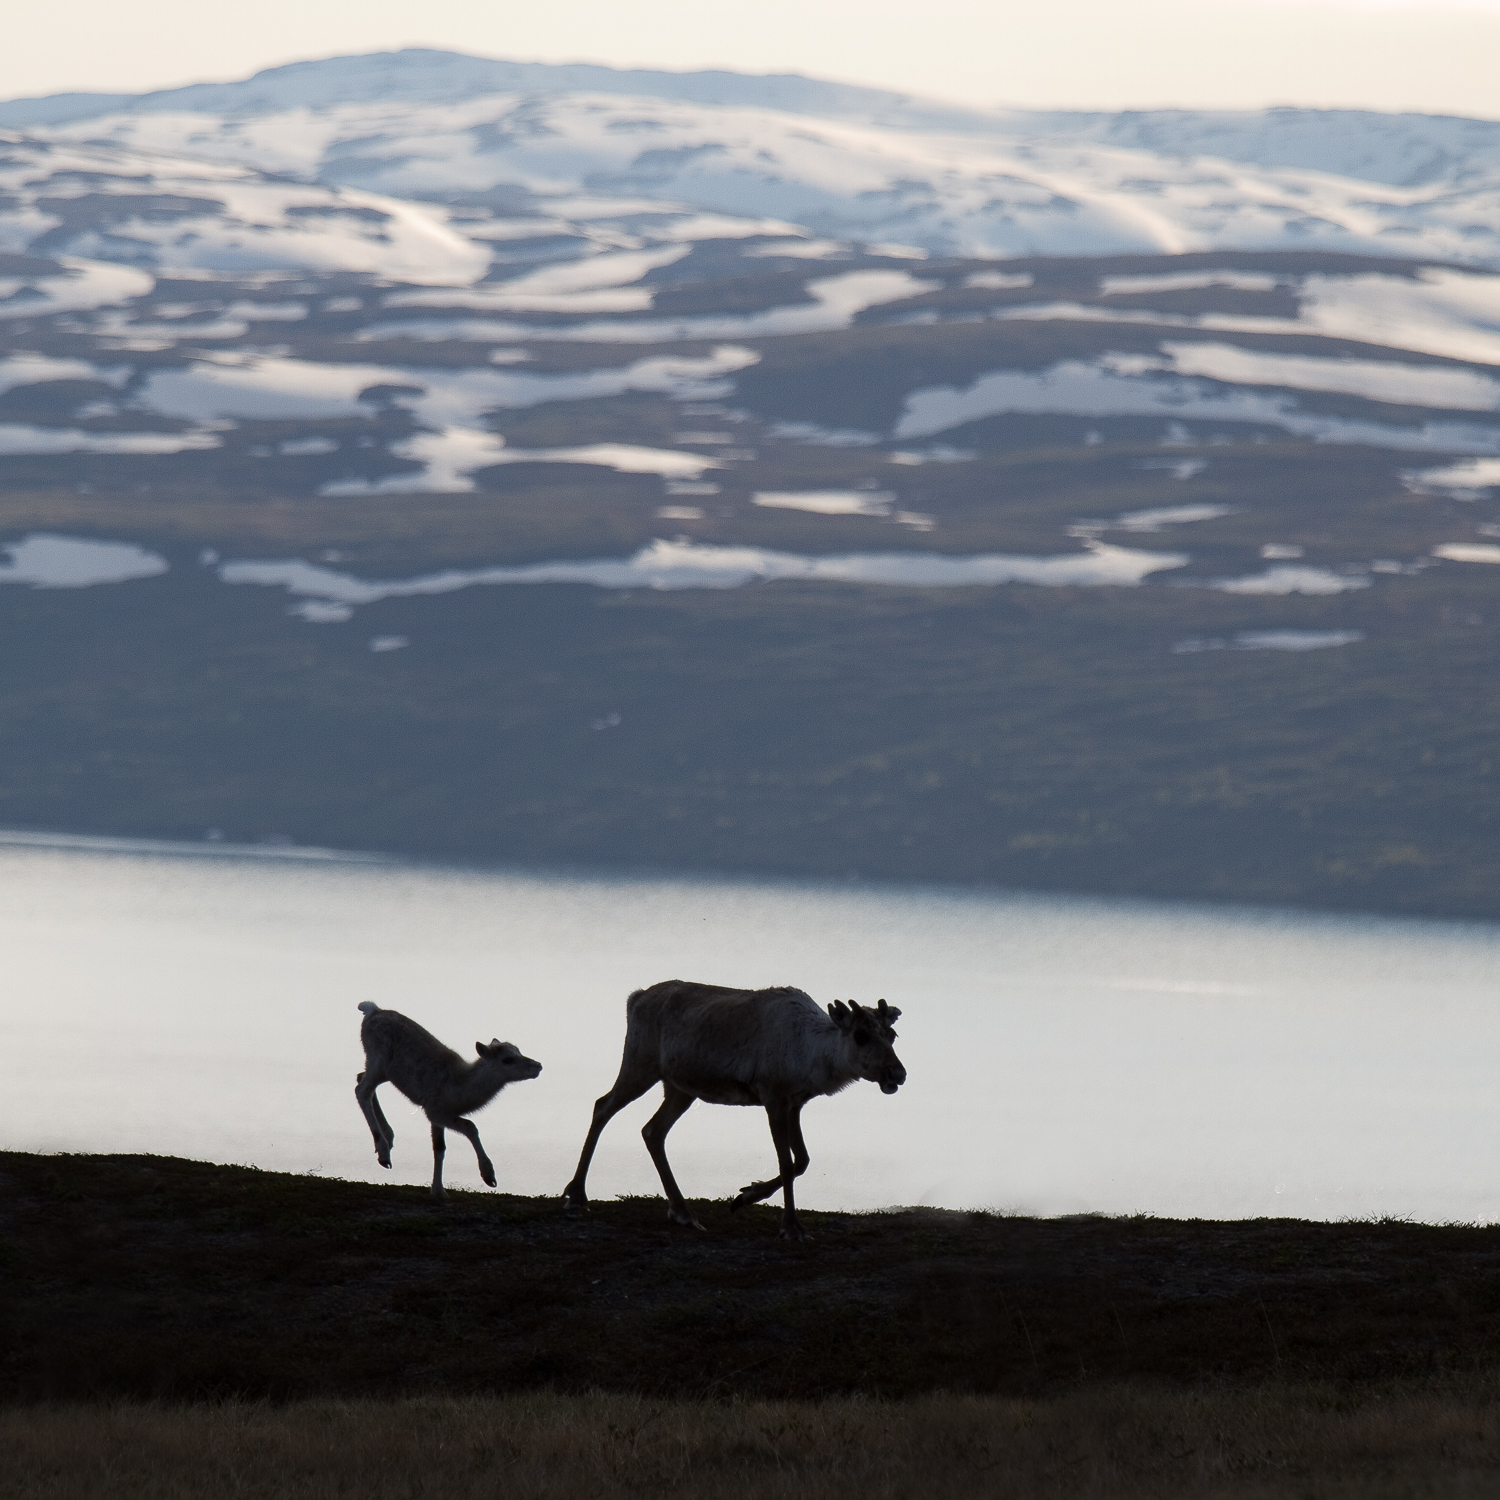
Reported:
(272, 852)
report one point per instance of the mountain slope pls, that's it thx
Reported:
(631, 480)
(421, 75)
(841, 160)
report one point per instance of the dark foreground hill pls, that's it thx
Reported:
(177, 1329)
(151, 1277)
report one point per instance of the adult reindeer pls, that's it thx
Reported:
(436, 1079)
(774, 1048)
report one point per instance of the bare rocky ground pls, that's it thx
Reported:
(156, 1278)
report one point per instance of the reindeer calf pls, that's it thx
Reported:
(436, 1079)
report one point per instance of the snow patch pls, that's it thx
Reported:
(81, 286)
(1375, 380)
(46, 561)
(1184, 281)
(687, 565)
(1462, 481)
(1289, 580)
(625, 458)
(1113, 387)
(16, 438)
(828, 502)
(35, 369)
(999, 281)
(1272, 640)
(448, 460)
(1167, 515)
(1469, 552)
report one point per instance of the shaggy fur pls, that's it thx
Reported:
(436, 1079)
(773, 1048)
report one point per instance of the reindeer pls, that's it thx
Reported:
(774, 1048)
(436, 1079)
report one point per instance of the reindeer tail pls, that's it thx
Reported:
(369, 1007)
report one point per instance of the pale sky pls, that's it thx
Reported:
(1440, 56)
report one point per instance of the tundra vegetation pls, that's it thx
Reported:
(172, 1327)
(1038, 737)
(1133, 1440)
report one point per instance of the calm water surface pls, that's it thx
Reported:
(1064, 1054)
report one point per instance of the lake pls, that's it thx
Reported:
(1065, 1054)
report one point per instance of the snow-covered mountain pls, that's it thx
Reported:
(422, 75)
(845, 162)
(339, 369)
(103, 204)
(391, 244)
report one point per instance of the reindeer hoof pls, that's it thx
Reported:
(574, 1200)
(686, 1219)
(753, 1193)
(488, 1173)
(794, 1232)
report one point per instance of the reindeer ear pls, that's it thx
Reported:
(841, 1015)
(481, 1049)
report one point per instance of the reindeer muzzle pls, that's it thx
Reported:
(892, 1079)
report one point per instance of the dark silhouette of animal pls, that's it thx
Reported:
(445, 1086)
(775, 1048)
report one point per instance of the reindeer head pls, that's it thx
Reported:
(506, 1062)
(870, 1033)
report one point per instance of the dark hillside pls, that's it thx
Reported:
(155, 1277)
(1044, 738)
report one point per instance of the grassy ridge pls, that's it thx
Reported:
(172, 1328)
(154, 1278)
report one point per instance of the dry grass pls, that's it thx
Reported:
(1119, 1441)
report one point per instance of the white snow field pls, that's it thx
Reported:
(106, 205)
(509, 207)
(848, 163)
(360, 272)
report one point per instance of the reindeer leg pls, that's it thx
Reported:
(365, 1085)
(636, 1076)
(800, 1158)
(759, 1190)
(439, 1150)
(470, 1130)
(385, 1125)
(783, 1126)
(753, 1193)
(675, 1105)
